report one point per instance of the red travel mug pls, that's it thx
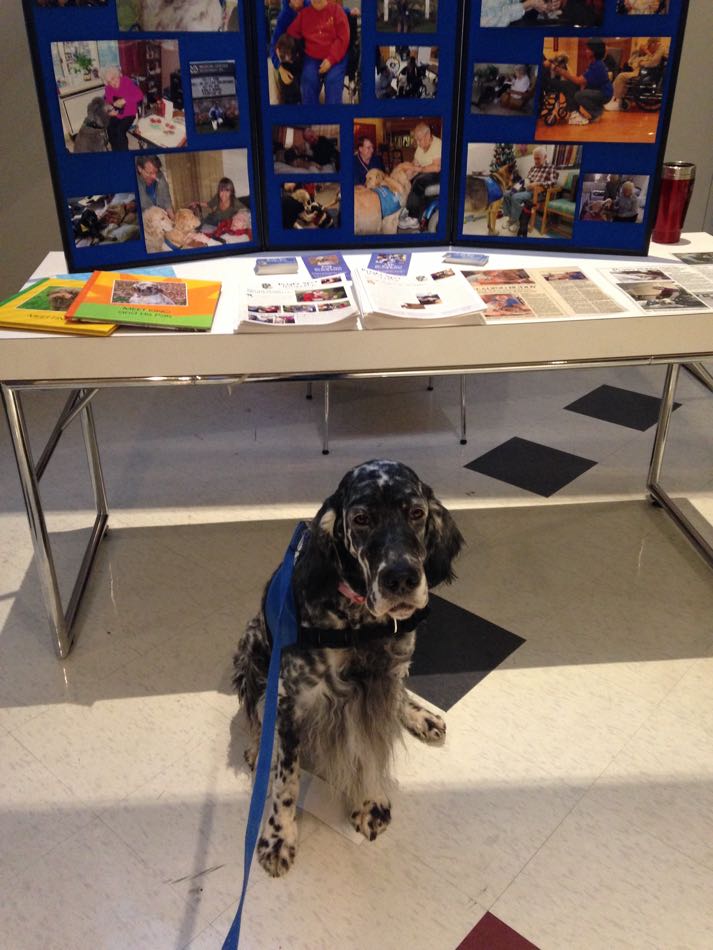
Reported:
(677, 180)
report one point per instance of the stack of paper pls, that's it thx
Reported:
(295, 305)
(441, 298)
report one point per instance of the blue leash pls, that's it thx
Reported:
(281, 618)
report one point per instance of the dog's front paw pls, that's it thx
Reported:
(372, 818)
(422, 723)
(276, 855)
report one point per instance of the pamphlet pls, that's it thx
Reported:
(171, 303)
(516, 294)
(439, 298)
(326, 265)
(276, 265)
(43, 306)
(665, 288)
(390, 263)
(297, 305)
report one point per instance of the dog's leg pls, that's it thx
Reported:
(372, 817)
(421, 722)
(277, 846)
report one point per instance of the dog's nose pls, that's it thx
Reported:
(400, 578)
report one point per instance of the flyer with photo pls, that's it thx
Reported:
(665, 288)
(293, 305)
(390, 263)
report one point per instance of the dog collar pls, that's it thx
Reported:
(319, 638)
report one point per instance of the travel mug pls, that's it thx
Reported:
(677, 180)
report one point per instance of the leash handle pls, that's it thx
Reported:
(282, 624)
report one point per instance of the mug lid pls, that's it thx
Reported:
(679, 171)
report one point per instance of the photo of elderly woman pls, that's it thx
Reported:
(174, 16)
(614, 198)
(406, 72)
(407, 16)
(314, 51)
(543, 13)
(603, 89)
(503, 89)
(305, 149)
(118, 96)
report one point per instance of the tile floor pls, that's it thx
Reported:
(571, 804)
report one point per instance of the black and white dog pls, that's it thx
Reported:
(360, 584)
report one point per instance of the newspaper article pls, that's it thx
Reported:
(665, 288)
(326, 303)
(517, 294)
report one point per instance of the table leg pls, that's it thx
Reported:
(654, 486)
(60, 621)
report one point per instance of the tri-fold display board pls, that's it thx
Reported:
(188, 128)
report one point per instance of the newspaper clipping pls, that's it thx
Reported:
(666, 288)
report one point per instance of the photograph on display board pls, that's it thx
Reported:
(104, 219)
(214, 95)
(314, 52)
(310, 205)
(205, 16)
(641, 7)
(407, 16)
(397, 174)
(541, 13)
(117, 95)
(503, 89)
(614, 198)
(525, 191)
(71, 3)
(602, 89)
(406, 72)
(194, 200)
(305, 149)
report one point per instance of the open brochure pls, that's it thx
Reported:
(292, 305)
(518, 294)
(664, 287)
(437, 298)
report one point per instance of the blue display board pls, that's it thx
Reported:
(182, 129)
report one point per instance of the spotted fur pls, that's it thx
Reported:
(385, 540)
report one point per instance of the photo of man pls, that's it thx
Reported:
(406, 72)
(602, 89)
(503, 89)
(314, 51)
(527, 191)
(305, 149)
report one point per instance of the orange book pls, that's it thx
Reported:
(171, 303)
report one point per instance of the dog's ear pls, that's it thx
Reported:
(318, 568)
(443, 542)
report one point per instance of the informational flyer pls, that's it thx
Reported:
(665, 288)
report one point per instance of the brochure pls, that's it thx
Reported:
(43, 306)
(171, 303)
(326, 265)
(665, 288)
(297, 305)
(465, 258)
(276, 265)
(516, 294)
(439, 298)
(390, 263)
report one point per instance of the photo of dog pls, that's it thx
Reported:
(147, 293)
(150, 293)
(104, 219)
(311, 205)
(375, 549)
(92, 135)
(378, 203)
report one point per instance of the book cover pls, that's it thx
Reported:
(326, 265)
(390, 263)
(171, 303)
(43, 307)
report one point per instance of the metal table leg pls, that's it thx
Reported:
(653, 484)
(78, 403)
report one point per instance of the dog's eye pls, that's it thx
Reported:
(361, 519)
(417, 514)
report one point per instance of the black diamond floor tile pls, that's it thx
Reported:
(623, 407)
(529, 465)
(455, 650)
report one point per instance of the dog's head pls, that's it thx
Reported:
(374, 178)
(186, 220)
(303, 196)
(157, 220)
(97, 112)
(145, 288)
(386, 535)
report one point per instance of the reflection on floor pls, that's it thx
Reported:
(571, 804)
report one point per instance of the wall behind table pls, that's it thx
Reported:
(27, 208)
